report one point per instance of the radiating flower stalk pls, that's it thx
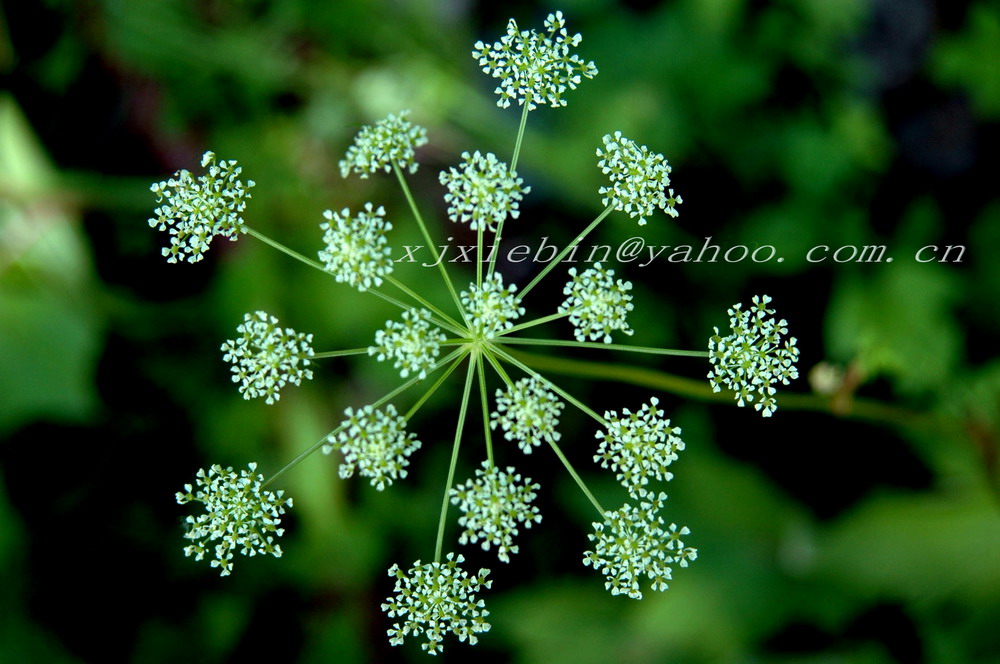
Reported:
(426, 344)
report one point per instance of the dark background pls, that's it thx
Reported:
(858, 527)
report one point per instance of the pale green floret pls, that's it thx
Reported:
(482, 192)
(266, 357)
(492, 308)
(493, 505)
(755, 357)
(632, 543)
(640, 179)
(374, 443)
(528, 413)
(239, 515)
(433, 599)
(535, 68)
(412, 344)
(196, 210)
(597, 304)
(639, 446)
(357, 251)
(389, 142)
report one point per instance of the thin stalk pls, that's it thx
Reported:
(454, 460)
(568, 248)
(423, 301)
(513, 168)
(486, 408)
(433, 388)
(427, 236)
(576, 477)
(405, 307)
(339, 353)
(648, 350)
(322, 441)
(532, 323)
(285, 250)
(563, 393)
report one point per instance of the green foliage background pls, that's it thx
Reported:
(862, 526)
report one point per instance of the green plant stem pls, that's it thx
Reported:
(339, 353)
(502, 352)
(532, 323)
(285, 250)
(405, 307)
(322, 441)
(454, 460)
(511, 171)
(576, 478)
(860, 409)
(568, 248)
(433, 388)
(454, 325)
(486, 408)
(427, 237)
(648, 350)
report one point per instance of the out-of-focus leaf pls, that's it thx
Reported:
(969, 59)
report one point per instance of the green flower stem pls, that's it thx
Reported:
(576, 477)
(285, 250)
(312, 448)
(423, 302)
(454, 460)
(594, 344)
(499, 369)
(532, 323)
(339, 353)
(427, 237)
(433, 388)
(405, 307)
(486, 408)
(513, 168)
(568, 248)
(479, 256)
(563, 393)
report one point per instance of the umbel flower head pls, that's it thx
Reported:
(433, 599)
(357, 251)
(632, 543)
(535, 68)
(265, 358)
(597, 304)
(755, 357)
(492, 506)
(528, 413)
(239, 515)
(413, 343)
(482, 191)
(389, 142)
(196, 210)
(640, 179)
(639, 446)
(374, 443)
(492, 307)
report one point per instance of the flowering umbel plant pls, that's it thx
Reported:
(482, 327)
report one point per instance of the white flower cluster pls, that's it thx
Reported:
(482, 191)
(528, 413)
(597, 304)
(437, 598)
(632, 543)
(267, 357)
(239, 514)
(493, 505)
(196, 210)
(640, 179)
(754, 357)
(412, 343)
(389, 142)
(375, 443)
(492, 307)
(357, 251)
(535, 68)
(639, 446)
